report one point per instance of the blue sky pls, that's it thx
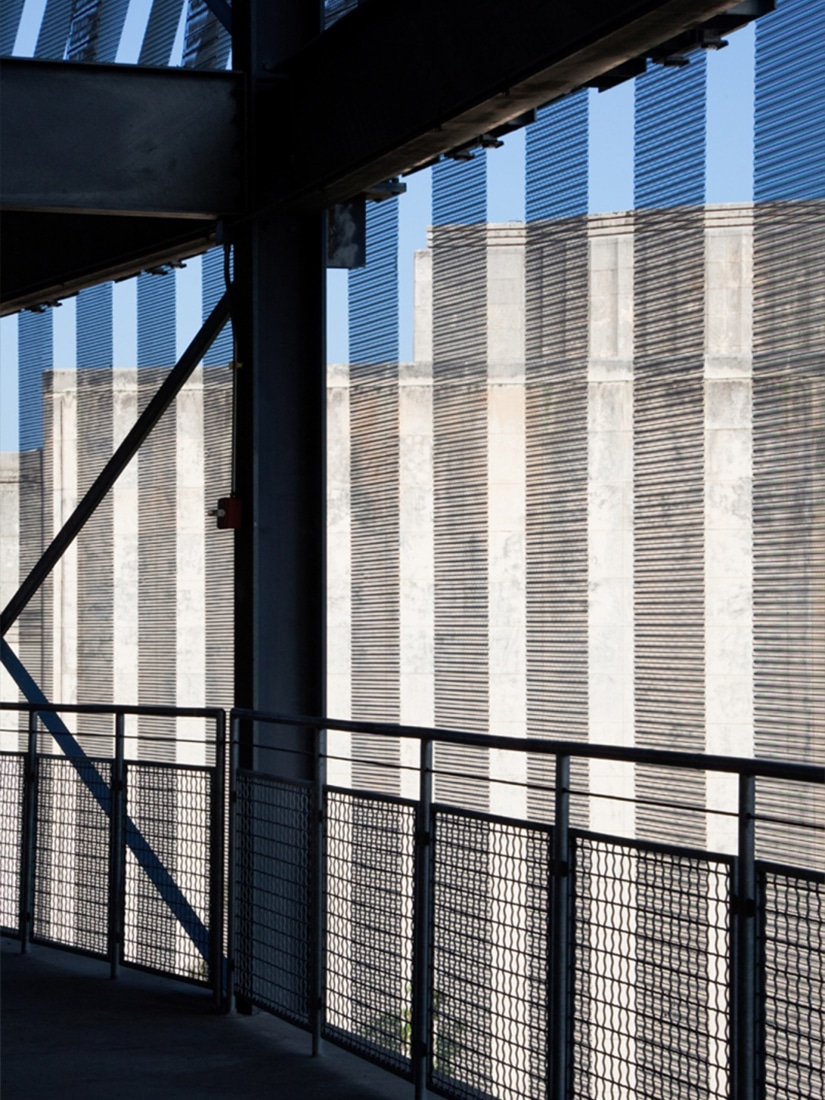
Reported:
(729, 179)
(729, 168)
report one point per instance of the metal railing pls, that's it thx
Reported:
(482, 954)
(549, 924)
(112, 835)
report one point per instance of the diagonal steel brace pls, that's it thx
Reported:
(147, 858)
(174, 382)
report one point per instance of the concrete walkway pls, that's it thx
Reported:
(69, 1032)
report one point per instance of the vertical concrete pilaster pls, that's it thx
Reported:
(339, 571)
(728, 505)
(125, 545)
(610, 515)
(63, 452)
(416, 549)
(506, 517)
(190, 594)
(9, 573)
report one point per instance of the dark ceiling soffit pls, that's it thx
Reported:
(360, 111)
(120, 139)
(46, 257)
(350, 113)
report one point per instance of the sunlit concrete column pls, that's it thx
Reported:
(610, 644)
(64, 431)
(507, 562)
(9, 579)
(417, 566)
(190, 637)
(610, 514)
(507, 572)
(728, 504)
(423, 306)
(60, 480)
(339, 571)
(190, 583)
(729, 704)
(416, 524)
(125, 560)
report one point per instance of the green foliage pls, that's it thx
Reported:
(393, 1031)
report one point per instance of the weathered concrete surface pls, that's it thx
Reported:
(69, 1031)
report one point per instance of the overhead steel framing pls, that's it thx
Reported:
(330, 115)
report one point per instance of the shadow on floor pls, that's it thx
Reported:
(69, 1031)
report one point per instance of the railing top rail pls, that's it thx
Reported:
(147, 710)
(737, 765)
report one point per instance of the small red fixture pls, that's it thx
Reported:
(228, 513)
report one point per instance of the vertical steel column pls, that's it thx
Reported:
(317, 897)
(278, 313)
(28, 834)
(217, 856)
(280, 413)
(421, 1053)
(743, 970)
(558, 1032)
(117, 850)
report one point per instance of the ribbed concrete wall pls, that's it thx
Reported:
(139, 609)
(590, 508)
(586, 469)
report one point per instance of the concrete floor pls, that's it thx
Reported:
(68, 1031)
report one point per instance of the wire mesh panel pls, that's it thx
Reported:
(12, 772)
(168, 869)
(71, 879)
(272, 894)
(491, 905)
(369, 935)
(651, 973)
(793, 993)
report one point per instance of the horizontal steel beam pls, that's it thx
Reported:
(396, 84)
(117, 139)
(390, 87)
(46, 257)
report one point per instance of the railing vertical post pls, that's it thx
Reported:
(317, 895)
(117, 849)
(743, 970)
(231, 862)
(422, 911)
(558, 1058)
(217, 855)
(28, 834)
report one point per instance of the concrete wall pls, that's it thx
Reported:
(712, 284)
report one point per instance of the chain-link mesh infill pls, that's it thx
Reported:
(793, 950)
(369, 910)
(490, 927)
(166, 912)
(71, 880)
(272, 894)
(12, 771)
(651, 973)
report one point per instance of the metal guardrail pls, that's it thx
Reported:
(110, 848)
(486, 956)
(478, 954)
